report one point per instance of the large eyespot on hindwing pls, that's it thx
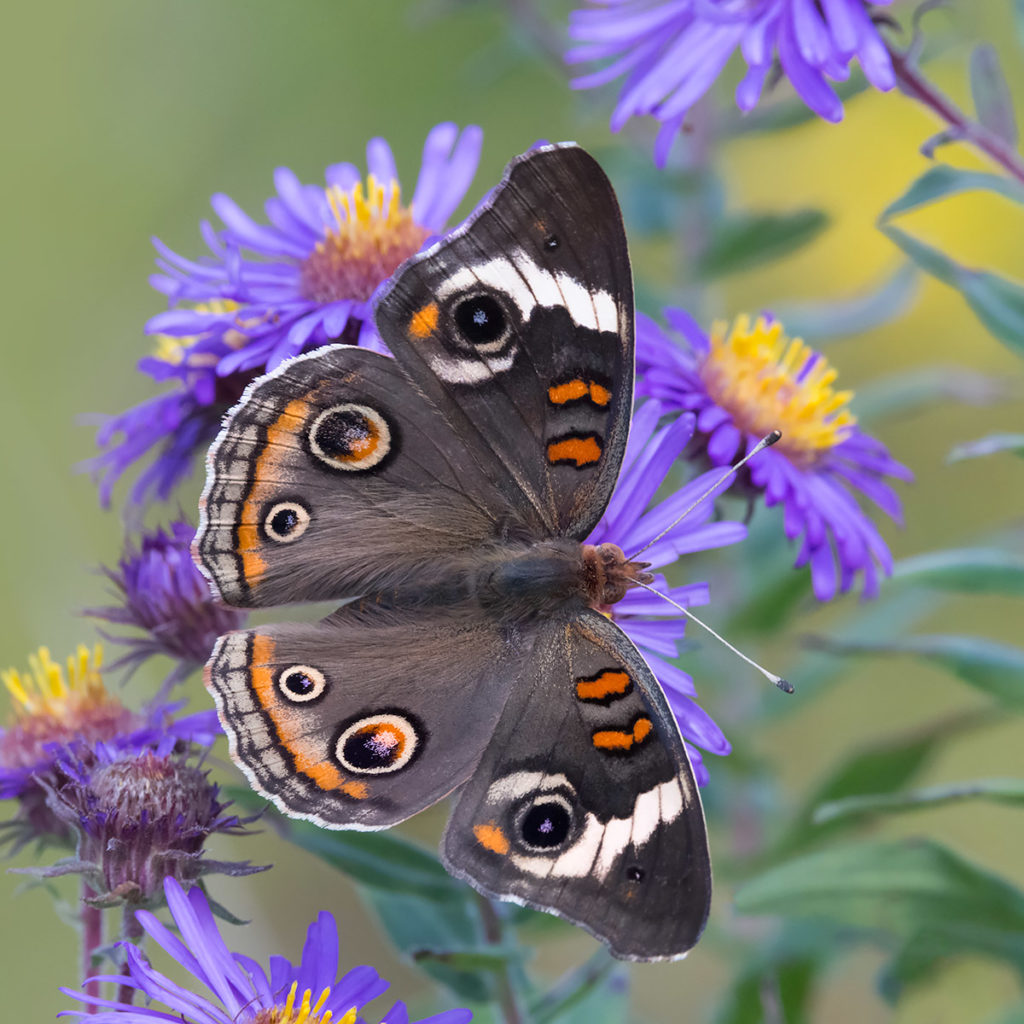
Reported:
(544, 822)
(301, 684)
(379, 743)
(350, 437)
(285, 521)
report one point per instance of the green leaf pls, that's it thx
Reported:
(941, 181)
(971, 570)
(906, 391)
(992, 100)
(990, 445)
(933, 901)
(744, 241)
(995, 668)
(441, 938)
(597, 986)
(880, 769)
(1001, 791)
(382, 860)
(997, 302)
(843, 317)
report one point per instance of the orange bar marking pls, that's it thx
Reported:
(581, 451)
(599, 394)
(490, 837)
(570, 391)
(607, 684)
(254, 565)
(622, 739)
(424, 321)
(309, 760)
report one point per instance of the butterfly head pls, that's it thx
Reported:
(608, 574)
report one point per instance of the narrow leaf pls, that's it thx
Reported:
(1003, 791)
(844, 317)
(918, 891)
(906, 391)
(995, 668)
(941, 181)
(990, 445)
(971, 570)
(746, 241)
(997, 302)
(883, 768)
(992, 100)
(382, 860)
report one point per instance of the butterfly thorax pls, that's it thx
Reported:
(518, 581)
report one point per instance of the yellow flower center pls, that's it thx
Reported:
(371, 235)
(768, 381)
(54, 705)
(176, 350)
(304, 1012)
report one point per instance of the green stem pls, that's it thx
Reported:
(913, 84)
(510, 1011)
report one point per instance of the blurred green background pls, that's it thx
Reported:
(123, 117)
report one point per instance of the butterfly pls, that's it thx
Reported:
(446, 494)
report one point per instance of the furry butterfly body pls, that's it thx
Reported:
(446, 494)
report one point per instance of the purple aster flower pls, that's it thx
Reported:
(68, 712)
(162, 593)
(141, 815)
(671, 51)
(744, 382)
(631, 521)
(229, 988)
(267, 291)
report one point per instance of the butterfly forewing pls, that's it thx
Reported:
(520, 327)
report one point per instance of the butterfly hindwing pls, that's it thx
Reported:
(519, 326)
(365, 718)
(584, 803)
(332, 474)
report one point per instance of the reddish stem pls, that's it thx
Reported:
(92, 939)
(916, 86)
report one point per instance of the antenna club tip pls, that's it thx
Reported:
(784, 685)
(775, 435)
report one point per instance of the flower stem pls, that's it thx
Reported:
(92, 940)
(131, 931)
(913, 84)
(493, 934)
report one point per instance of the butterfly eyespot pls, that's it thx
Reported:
(301, 684)
(378, 744)
(551, 243)
(350, 437)
(481, 320)
(286, 521)
(545, 823)
(635, 873)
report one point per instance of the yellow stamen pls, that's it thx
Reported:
(47, 690)
(371, 234)
(176, 350)
(756, 373)
(306, 1012)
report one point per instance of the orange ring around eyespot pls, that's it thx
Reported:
(366, 436)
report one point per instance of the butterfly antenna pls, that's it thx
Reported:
(782, 684)
(766, 442)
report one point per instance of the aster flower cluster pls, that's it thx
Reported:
(237, 988)
(671, 51)
(265, 292)
(166, 600)
(743, 382)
